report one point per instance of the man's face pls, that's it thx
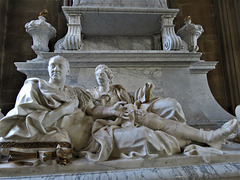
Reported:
(58, 70)
(101, 77)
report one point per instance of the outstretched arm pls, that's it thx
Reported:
(117, 110)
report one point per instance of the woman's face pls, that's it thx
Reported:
(101, 77)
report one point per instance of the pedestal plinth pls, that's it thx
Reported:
(224, 166)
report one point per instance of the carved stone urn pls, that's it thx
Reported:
(41, 32)
(190, 33)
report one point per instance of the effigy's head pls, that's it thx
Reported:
(103, 74)
(58, 68)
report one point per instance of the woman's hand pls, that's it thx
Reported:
(119, 110)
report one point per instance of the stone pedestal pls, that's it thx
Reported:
(106, 27)
(224, 166)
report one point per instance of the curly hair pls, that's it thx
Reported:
(107, 70)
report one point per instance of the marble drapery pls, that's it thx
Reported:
(119, 138)
(28, 121)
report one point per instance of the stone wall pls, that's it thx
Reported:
(3, 7)
(228, 25)
(18, 43)
(203, 13)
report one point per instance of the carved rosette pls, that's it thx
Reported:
(190, 34)
(73, 40)
(41, 32)
(170, 41)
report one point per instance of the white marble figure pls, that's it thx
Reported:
(41, 32)
(154, 125)
(237, 112)
(47, 113)
(190, 33)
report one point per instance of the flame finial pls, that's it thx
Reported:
(44, 13)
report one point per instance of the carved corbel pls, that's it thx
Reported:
(170, 41)
(73, 39)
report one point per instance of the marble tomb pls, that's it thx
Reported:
(137, 40)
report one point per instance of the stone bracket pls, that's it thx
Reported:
(170, 41)
(73, 38)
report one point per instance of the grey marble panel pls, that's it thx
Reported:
(117, 43)
(113, 21)
(123, 3)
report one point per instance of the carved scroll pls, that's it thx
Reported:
(170, 41)
(73, 40)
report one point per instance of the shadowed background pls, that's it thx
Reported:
(219, 42)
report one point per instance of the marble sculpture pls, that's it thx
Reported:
(50, 113)
(102, 123)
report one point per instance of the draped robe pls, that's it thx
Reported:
(118, 138)
(27, 122)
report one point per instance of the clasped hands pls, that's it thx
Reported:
(120, 110)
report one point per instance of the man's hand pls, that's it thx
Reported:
(119, 110)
